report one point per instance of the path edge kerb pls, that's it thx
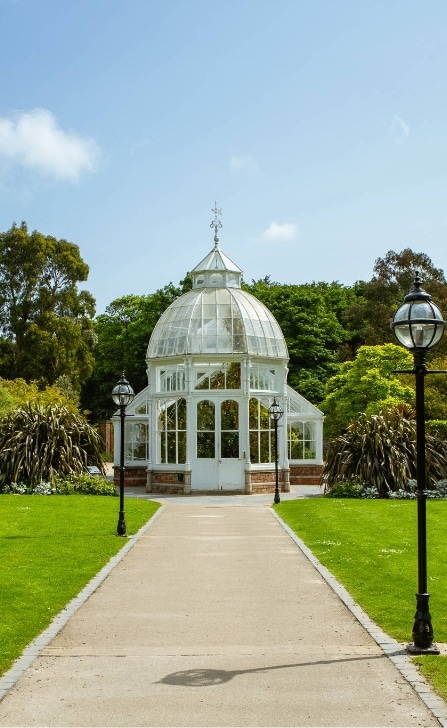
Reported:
(391, 648)
(33, 650)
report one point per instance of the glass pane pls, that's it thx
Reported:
(234, 376)
(163, 453)
(264, 441)
(181, 414)
(205, 445)
(264, 417)
(170, 417)
(253, 412)
(217, 379)
(254, 453)
(205, 415)
(229, 442)
(229, 415)
(171, 443)
(182, 447)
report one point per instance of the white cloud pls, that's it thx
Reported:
(34, 140)
(280, 232)
(399, 129)
(243, 163)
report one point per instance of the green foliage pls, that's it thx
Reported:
(345, 489)
(368, 384)
(16, 392)
(123, 334)
(436, 388)
(437, 428)
(46, 328)
(40, 442)
(380, 450)
(392, 279)
(82, 484)
(311, 319)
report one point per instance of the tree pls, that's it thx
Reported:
(46, 327)
(310, 318)
(123, 334)
(393, 278)
(367, 385)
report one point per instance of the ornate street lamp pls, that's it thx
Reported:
(276, 413)
(418, 325)
(122, 395)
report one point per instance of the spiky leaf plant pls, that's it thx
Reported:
(380, 451)
(39, 442)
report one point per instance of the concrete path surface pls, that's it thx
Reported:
(215, 617)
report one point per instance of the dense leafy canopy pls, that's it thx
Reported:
(46, 327)
(123, 333)
(312, 318)
(367, 384)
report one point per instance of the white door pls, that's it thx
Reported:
(218, 464)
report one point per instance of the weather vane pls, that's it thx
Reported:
(216, 224)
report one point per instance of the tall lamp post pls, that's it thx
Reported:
(418, 325)
(276, 413)
(122, 395)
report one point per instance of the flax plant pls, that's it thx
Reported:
(40, 442)
(380, 451)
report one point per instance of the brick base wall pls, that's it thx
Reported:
(305, 474)
(178, 482)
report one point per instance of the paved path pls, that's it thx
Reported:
(215, 617)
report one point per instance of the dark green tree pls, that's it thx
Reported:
(367, 384)
(46, 323)
(393, 278)
(311, 317)
(123, 334)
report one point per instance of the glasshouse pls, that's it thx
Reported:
(216, 363)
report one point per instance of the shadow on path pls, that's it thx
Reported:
(207, 678)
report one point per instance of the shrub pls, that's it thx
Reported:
(40, 442)
(437, 428)
(381, 450)
(345, 489)
(72, 485)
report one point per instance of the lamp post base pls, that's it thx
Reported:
(422, 629)
(412, 649)
(121, 528)
(277, 498)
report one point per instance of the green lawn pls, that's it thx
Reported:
(50, 547)
(371, 548)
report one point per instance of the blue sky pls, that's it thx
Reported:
(319, 127)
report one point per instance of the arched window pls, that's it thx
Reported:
(172, 431)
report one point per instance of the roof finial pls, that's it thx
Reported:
(216, 224)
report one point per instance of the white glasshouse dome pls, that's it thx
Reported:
(217, 317)
(217, 321)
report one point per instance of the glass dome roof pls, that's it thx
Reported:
(219, 320)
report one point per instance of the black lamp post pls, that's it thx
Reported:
(418, 325)
(276, 413)
(122, 395)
